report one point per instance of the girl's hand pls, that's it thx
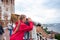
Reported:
(29, 19)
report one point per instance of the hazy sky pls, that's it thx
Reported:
(43, 11)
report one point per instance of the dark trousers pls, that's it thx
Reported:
(10, 30)
(26, 36)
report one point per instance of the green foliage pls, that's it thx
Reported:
(57, 36)
(46, 30)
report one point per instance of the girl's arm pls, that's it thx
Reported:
(17, 27)
(25, 27)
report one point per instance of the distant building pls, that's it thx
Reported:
(6, 7)
(0, 15)
(43, 34)
(52, 34)
(41, 31)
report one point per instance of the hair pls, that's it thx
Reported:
(22, 17)
(38, 24)
(26, 19)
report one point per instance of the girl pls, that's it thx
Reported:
(21, 28)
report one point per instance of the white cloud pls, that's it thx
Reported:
(35, 10)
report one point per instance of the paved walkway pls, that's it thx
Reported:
(6, 35)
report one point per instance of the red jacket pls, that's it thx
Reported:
(23, 28)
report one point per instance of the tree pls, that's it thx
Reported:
(57, 36)
(46, 30)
